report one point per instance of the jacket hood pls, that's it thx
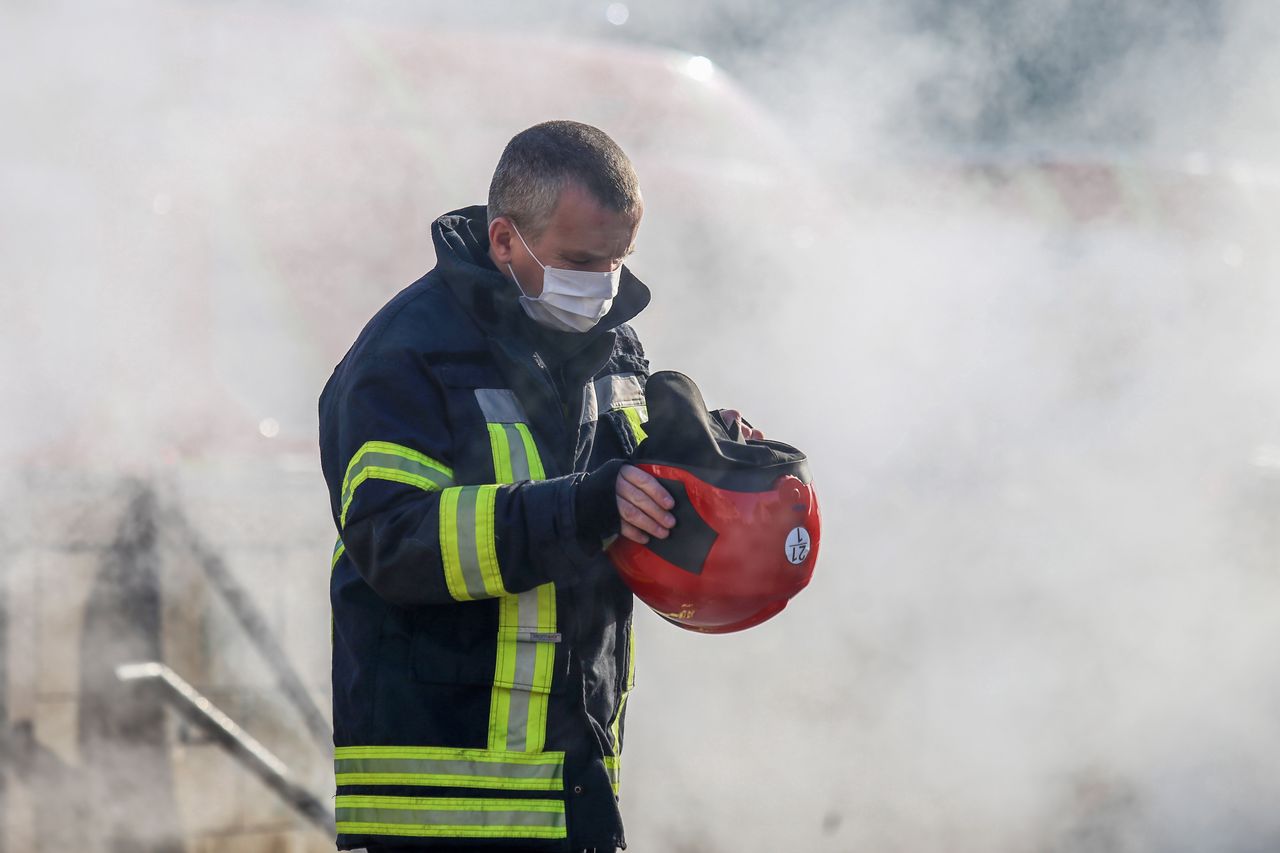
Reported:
(461, 240)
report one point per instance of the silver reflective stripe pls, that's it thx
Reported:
(519, 456)
(428, 817)
(468, 556)
(518, 704)
(448, 767)
(375, 459)
(619, 391)
(526, 658)
(453, 772)
(500, 406)
(465, 817)
(590, 408)
(524, 671)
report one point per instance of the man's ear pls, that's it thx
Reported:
(500, 237)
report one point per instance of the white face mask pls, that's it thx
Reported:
(571, 300)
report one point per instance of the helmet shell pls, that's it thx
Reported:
(762, 549)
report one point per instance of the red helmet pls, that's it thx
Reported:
(747, 523)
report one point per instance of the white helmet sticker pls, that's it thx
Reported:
(797, 546)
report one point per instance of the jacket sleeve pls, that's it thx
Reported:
(416, 536)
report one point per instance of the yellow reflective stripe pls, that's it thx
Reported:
(613, 766)
(448, 753)
(466, 817)
(423, 464)
(631, 657)
(524, 664)
(501, 448)
(524, 670)
(449, 558)
(449, 780)
(515, 456)
(504, 672)
(543, 672)
(468, 550)
(382, 460)
(338, 550)
(438, 830)
(633, 420)
(449, 767)
(486, 542)
(615, 728)
(531, 452)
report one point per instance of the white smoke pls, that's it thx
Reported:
(1045, 440)
(1042, 615)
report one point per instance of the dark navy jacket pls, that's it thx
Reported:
(482, 650)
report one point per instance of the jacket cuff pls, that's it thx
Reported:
(573, 553)
(595, 503)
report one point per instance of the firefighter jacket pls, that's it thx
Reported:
(482, 650)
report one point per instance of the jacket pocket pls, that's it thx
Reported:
(455, 645)
(529, 660)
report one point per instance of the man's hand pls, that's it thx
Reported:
(748, 431)
(643, 505)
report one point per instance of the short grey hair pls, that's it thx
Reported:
(540, 162)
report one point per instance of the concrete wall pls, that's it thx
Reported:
(73, 536)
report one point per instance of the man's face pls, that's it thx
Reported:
(582, 235)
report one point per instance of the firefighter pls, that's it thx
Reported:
(474, 441)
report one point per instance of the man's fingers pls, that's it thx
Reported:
(749, 432)
(635, 534)
(636, 517)
(641, 501)
(646, 483)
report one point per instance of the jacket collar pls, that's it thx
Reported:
(461, 240)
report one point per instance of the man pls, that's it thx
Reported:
(473, 441)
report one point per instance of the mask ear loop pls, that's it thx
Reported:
(526, 245)
(512, 270)
(517, 281)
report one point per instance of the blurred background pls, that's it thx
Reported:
(1005, 270)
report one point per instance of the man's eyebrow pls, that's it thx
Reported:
(592, 256)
